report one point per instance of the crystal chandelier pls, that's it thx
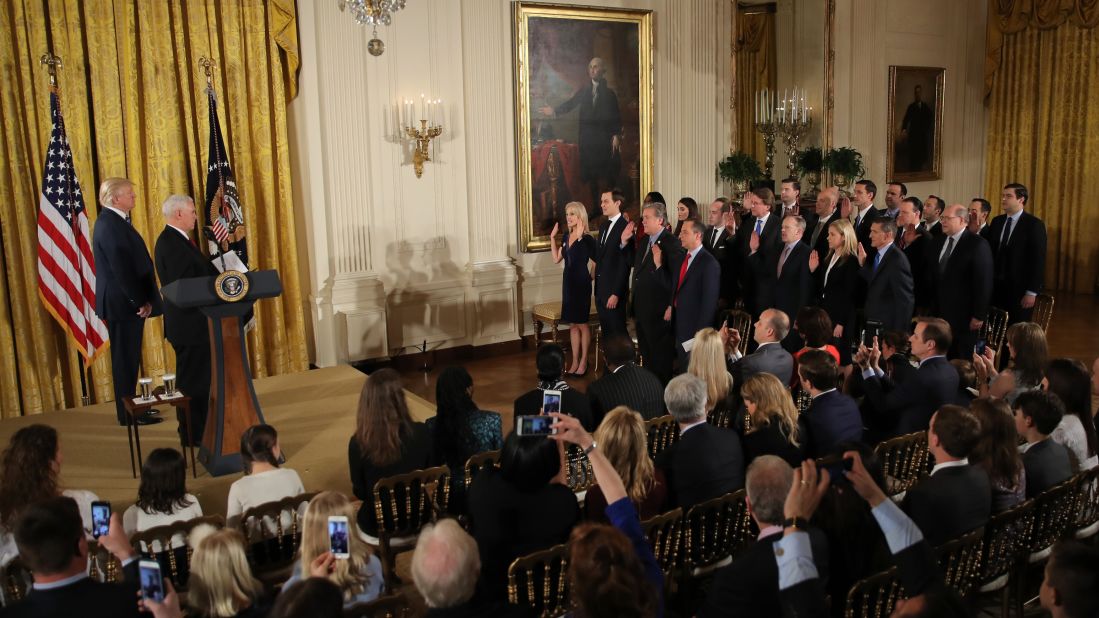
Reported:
(372, 13)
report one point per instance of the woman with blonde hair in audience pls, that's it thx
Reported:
(386, 441)
(221, 584)
(624, 440)
(708, 363)
(577, 253)
(1027, 352)
(772, 420)
(31, 472)
(360, 575)
(997, 451)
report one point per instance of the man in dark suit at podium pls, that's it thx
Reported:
(178, 257)
(125, 288)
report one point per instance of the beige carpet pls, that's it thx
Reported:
(313, 411)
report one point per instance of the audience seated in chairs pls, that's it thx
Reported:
(31, 472)
(445, 567)
(749, 586)
(708, 363)
(771, 419)
(1046, 462)
(264, 480)
(897, 409)
(221, 584)
(359, 576)
(622, 439)
(519, 508)
(957, 496)
(997, 451)
(706, 461)
(550, 361)
(769, 357)
(460, 429)
(51, 542)
(625, 384)
(1027, 355)
(162, 497)
(1071, 579)
(832, 417)
(1068, 379)
(386, 442)
(612, 570)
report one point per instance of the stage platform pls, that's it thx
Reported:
(314, 412)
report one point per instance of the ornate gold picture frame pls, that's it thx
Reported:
(915, 123)
(583, 105)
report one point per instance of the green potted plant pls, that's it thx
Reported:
(738, 168)
(845, 163)
(810, 163)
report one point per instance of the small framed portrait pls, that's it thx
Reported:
(583, 93)
(915, 123)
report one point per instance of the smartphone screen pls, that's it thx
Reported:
(873, 329)
(152, 585)
(338, 541)
(535, 425)
(101, 518)
(836, 465)
(551, 401)
(980, 347)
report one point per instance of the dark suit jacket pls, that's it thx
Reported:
(1046, 463)
(749, 586)
(652, 286)
(1021, 265)
(862, 230)
(908, 406)
(935, 229)
(770, 358)
(790, 291)
(770, 242)
(842, 294)
(612, 263)
(85, 598)
(705, 463)
(695, 301)
(832, 418)
(963, 289)
(177, 258)
(950, 503)
(573, 402)
(919, 261)
(889, 291)
(716, 249)
(821, 246)
(124, 279)
(631, 386)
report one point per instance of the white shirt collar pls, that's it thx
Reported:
(831, 390)
(1015, 217)
(964, 461)
(862, 213)
(957, 236)
(118, 212)
(613, 220)
(61, 583)
(184, 234)
(694, 253)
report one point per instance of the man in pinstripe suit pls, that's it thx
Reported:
(625, 384)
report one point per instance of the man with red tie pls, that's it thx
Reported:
(697, 285)
(178, 257)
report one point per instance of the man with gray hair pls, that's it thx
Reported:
(749, 586)
(706, 461)
(177, 256)
(652, 291)
(445, 567)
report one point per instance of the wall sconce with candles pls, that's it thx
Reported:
(430, 127)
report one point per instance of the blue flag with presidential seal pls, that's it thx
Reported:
(225, 229)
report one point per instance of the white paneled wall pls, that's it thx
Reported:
(391, 260)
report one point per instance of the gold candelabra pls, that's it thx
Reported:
(792, 132)
(769, 129)
(422, 143)
(431, 126)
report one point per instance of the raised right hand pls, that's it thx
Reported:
(814, 261)
(553, 233)
(753, 242)
(861, 253)
(627, 233)
(658, 254)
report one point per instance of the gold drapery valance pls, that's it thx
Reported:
(133, 100)
(1007, 17)
(754, 51)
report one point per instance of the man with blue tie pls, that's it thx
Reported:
(696, 289)
(760, 237)
(890, 298)
(125, 288)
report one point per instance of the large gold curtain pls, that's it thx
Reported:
(1043, 76)
(755, 69)
(134, 106)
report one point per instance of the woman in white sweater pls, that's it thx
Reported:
(162, 497)
(264, 480)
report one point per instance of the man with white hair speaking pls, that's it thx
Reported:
(177, 256)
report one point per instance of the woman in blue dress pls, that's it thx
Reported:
(576, 283)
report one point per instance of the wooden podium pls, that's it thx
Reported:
(233, 404)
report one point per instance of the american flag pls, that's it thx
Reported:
(223, 207)
(66, 269)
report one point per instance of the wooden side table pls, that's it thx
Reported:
(135, 410)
